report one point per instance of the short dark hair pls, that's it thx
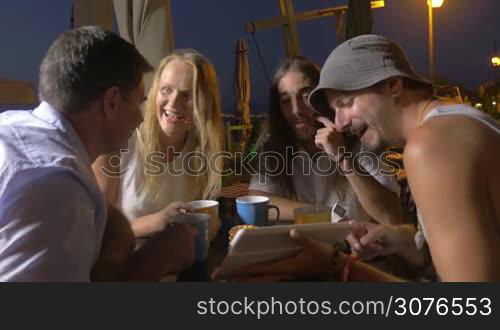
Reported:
(83, 63)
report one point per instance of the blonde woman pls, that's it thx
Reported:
(171, 156)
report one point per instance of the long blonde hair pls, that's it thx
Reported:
(207, 115)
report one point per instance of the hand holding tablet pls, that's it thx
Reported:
(272, 243)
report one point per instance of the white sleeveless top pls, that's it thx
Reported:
(178, 185)
(447, 110)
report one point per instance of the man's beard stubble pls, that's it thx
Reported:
(305, 136)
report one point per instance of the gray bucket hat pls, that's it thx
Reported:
(359, 63)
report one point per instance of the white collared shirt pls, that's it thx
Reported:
(52, 213)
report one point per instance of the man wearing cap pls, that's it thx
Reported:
(451, 156)
(306, 176)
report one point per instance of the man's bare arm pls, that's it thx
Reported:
(444, 172)
(380, 203)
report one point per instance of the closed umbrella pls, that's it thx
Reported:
(148, 25)
(242, 90)
(359, 18)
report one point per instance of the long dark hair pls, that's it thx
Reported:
(281, 135)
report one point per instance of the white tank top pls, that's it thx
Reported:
(458, 110)
(178, 185)
(464, 110)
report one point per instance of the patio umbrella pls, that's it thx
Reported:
(148, 25)
(242, 90)
(359, 18)
(92, 12)
(145, 23)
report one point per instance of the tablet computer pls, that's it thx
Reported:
(271, 243)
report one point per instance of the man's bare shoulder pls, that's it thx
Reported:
(450, 138)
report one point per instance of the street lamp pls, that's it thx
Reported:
(495, 60)
(435, 3)
(432, 4)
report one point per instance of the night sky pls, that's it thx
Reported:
(465, 31)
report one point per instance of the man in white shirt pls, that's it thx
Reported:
(52, 214)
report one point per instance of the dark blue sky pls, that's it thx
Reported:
(464, 34)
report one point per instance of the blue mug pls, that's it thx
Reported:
(254, 210)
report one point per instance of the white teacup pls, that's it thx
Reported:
(212, 209)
